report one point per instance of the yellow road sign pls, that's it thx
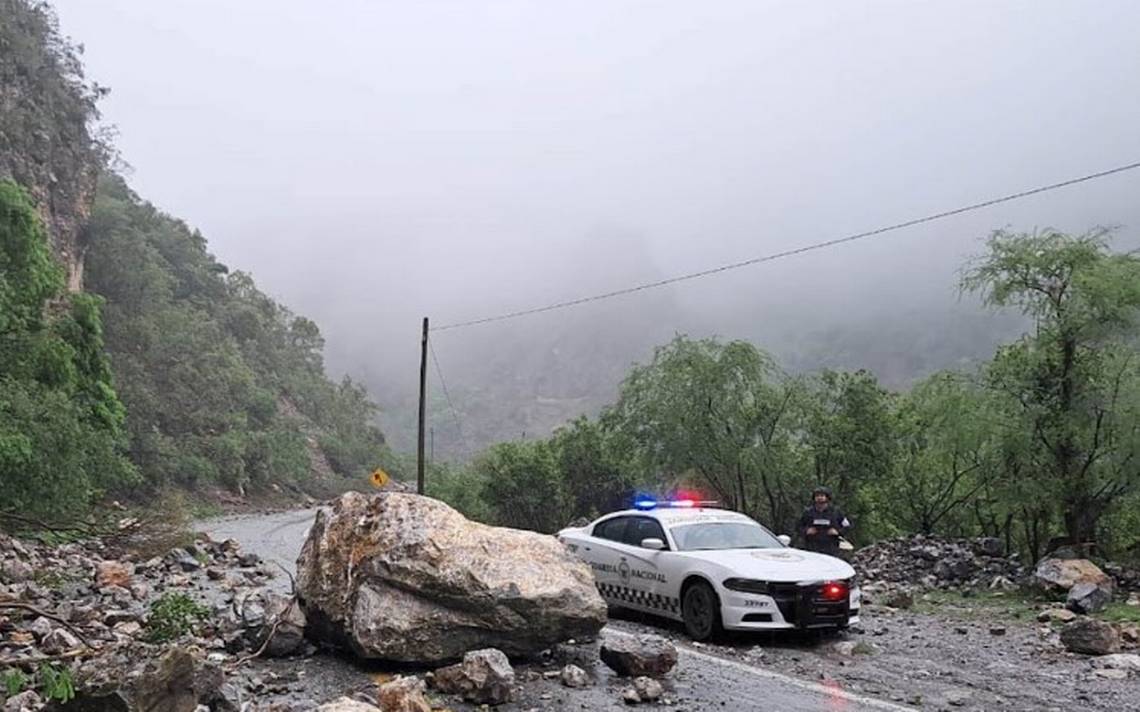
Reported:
(380, 478)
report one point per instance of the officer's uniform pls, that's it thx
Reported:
(829, 518)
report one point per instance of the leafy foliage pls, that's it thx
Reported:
(56, 683)
(223, 386)
(173, 615)
(60, 418)
(1044, 440)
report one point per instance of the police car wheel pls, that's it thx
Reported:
(700, 609)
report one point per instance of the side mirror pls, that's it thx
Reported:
(652, 543)
(785, 539)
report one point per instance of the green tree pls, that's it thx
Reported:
(522, 486)
(60, 417)
(851, 439)
(1072, 383)
(942, 459)
(596, 467)
(719, 413)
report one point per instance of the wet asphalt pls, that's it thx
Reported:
(702, 680)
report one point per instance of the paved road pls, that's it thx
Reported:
(701, 680)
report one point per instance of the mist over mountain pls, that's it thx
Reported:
(374, 164)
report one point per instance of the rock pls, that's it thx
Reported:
(1059, 575)
(1119, 661)
(997, 630)
(16, 571)
(27, 701)
(574, 676)
(59, 641)
(113, 573)
(845, 648)
(262, 613)
(634, 656)
(404, 694)
(1087, 635)
(347, 704)
(1088, 597)
(645, 689)
(179, 681)
(989, 546)
(1110, 674)
(41, 627)
(899, 599)
(1056, 615)
(184, 560)
(484, 677)
(406, 578)
(1129, 633)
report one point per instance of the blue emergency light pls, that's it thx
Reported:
(645, 504)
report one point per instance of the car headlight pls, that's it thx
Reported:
(746, 585)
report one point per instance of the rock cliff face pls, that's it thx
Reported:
(47, 110)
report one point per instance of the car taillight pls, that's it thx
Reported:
(835, 591)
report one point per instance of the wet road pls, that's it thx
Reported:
(702, 680)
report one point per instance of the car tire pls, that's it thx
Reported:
(700, 609)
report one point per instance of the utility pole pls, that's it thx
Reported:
(423, 410)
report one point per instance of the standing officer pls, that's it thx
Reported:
(822, 524)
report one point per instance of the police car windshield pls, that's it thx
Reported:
(707, 536)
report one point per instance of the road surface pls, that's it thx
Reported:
(702, 679)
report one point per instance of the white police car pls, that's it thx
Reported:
(712, 569)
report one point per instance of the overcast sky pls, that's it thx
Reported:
(370, 162)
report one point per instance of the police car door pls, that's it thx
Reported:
(641, 575)
(599, 551)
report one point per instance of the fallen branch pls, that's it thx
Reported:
(24, 661)
(268, 639)
(5, 603)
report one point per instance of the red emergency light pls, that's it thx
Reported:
(835, 591)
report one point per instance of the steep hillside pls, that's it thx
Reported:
(46, 113)
(223, 388)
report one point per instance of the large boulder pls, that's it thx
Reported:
(406, 578)
(1090, 636)
(1059, 575)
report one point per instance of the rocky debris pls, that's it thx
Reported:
(95, 601)
(347, 704)
(179, 681)
(406, 578)
(574, 676)
(933, 562)
(644, 689)
(484, 677)
(1088, 597)
(642, 655)
(258, 618)
(1090, 636)
(404, 694)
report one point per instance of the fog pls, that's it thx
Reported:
(371, 163)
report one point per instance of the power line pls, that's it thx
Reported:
(789, 253)
(447, 396)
